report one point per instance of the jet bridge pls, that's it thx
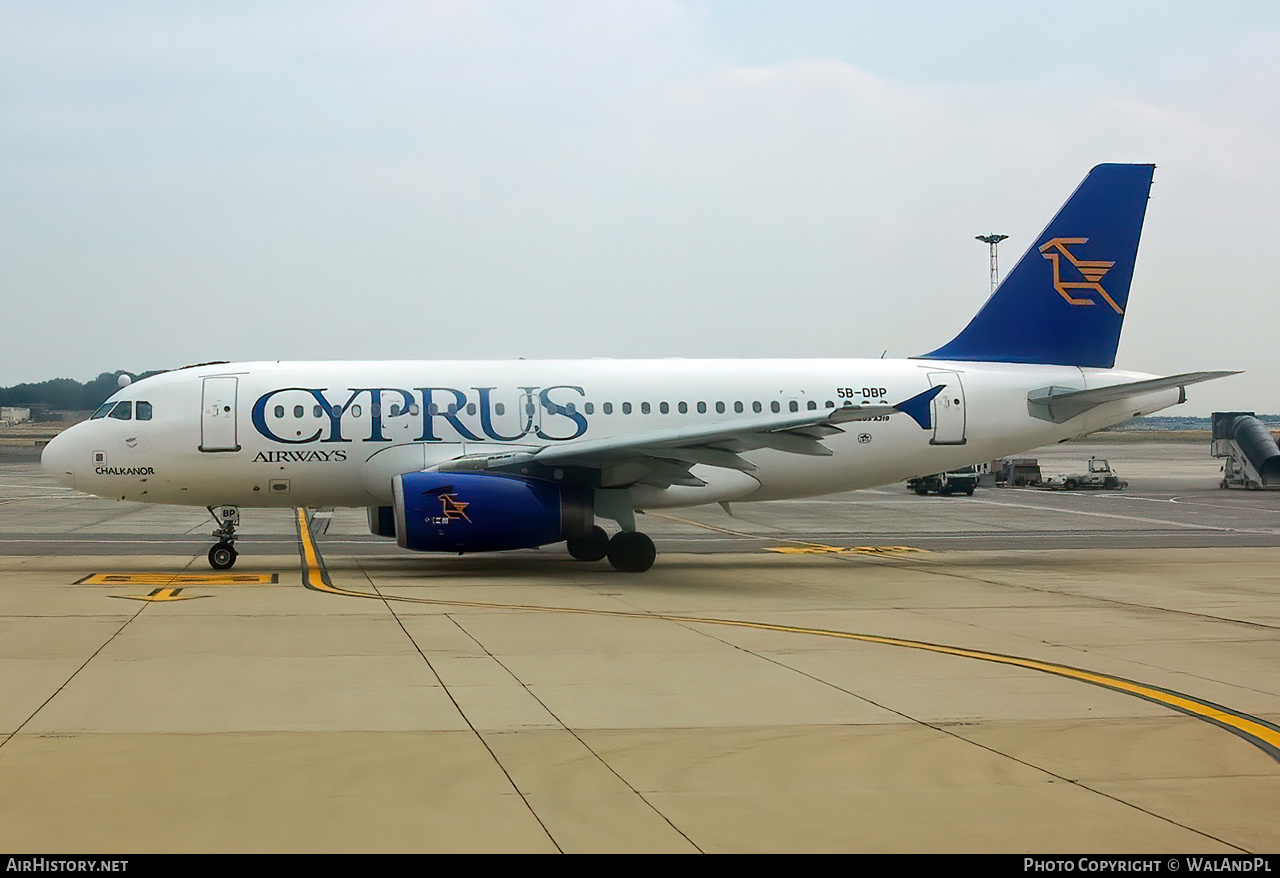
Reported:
(1252, 458)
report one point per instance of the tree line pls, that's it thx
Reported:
(65, 394)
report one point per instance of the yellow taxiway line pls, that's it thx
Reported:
(1260, 733)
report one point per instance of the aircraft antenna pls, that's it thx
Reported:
(993, 240)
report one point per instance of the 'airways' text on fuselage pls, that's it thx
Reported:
(300, 456)
(441, 413)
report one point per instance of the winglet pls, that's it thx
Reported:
(919, 407)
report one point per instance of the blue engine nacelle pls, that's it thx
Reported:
(478, 512)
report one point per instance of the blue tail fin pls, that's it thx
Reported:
(1064, 302)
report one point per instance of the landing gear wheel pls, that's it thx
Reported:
(589, 548)
(631, 552)
(222, 556)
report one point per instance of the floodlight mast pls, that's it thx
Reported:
(993, 240)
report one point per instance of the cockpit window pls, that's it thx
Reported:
(144, 411)
(102, 410)
(123, 411)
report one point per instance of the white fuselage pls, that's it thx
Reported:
(336, 433)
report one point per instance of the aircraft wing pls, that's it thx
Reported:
(1061, 404)
(665, 457)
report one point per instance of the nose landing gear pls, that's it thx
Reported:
(223, 554)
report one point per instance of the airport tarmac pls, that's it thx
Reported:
(1019, 671)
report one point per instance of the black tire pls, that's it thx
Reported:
(589, 548)
(1070, 484)
(968, 491)
(222, 556)
(1111, 482)
(631, 552)
(921, 490)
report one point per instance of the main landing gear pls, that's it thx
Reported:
(223, 554)
(628, 551)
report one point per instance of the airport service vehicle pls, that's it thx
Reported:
(1099, 475)
(1019, 472)
(458, 456)
(1252, 456)
(958, 481)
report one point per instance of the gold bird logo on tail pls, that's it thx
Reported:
(1091, 270)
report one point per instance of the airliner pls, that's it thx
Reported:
(475, 456)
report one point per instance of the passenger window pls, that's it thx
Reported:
(626, 408)
(279, 411)
(144, 411)
(644, 408)
(719, 408)
(102, 410)
(471, 408)
(608, 408)
(813, 405)
(775, 407)
(499, 409)
(756, 407)
(589, 408)
(123, 411)
(702, 408)
(664, 408)
(737, 407)
(355, 411)
(830, 404)
(317, 412)
(684, 408)
(298, 411)
(795, 406)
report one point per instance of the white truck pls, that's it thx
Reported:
(1100, 475)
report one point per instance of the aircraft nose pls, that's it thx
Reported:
(58, 460)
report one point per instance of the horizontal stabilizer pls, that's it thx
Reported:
(1061, 404)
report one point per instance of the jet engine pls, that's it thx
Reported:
(479, 512)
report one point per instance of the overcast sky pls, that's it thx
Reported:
(182, 182)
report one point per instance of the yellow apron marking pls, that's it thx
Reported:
(161, 594)
(180, 579)
(314, 574)
(816, 549)
(1260, 733)
(798, 547)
